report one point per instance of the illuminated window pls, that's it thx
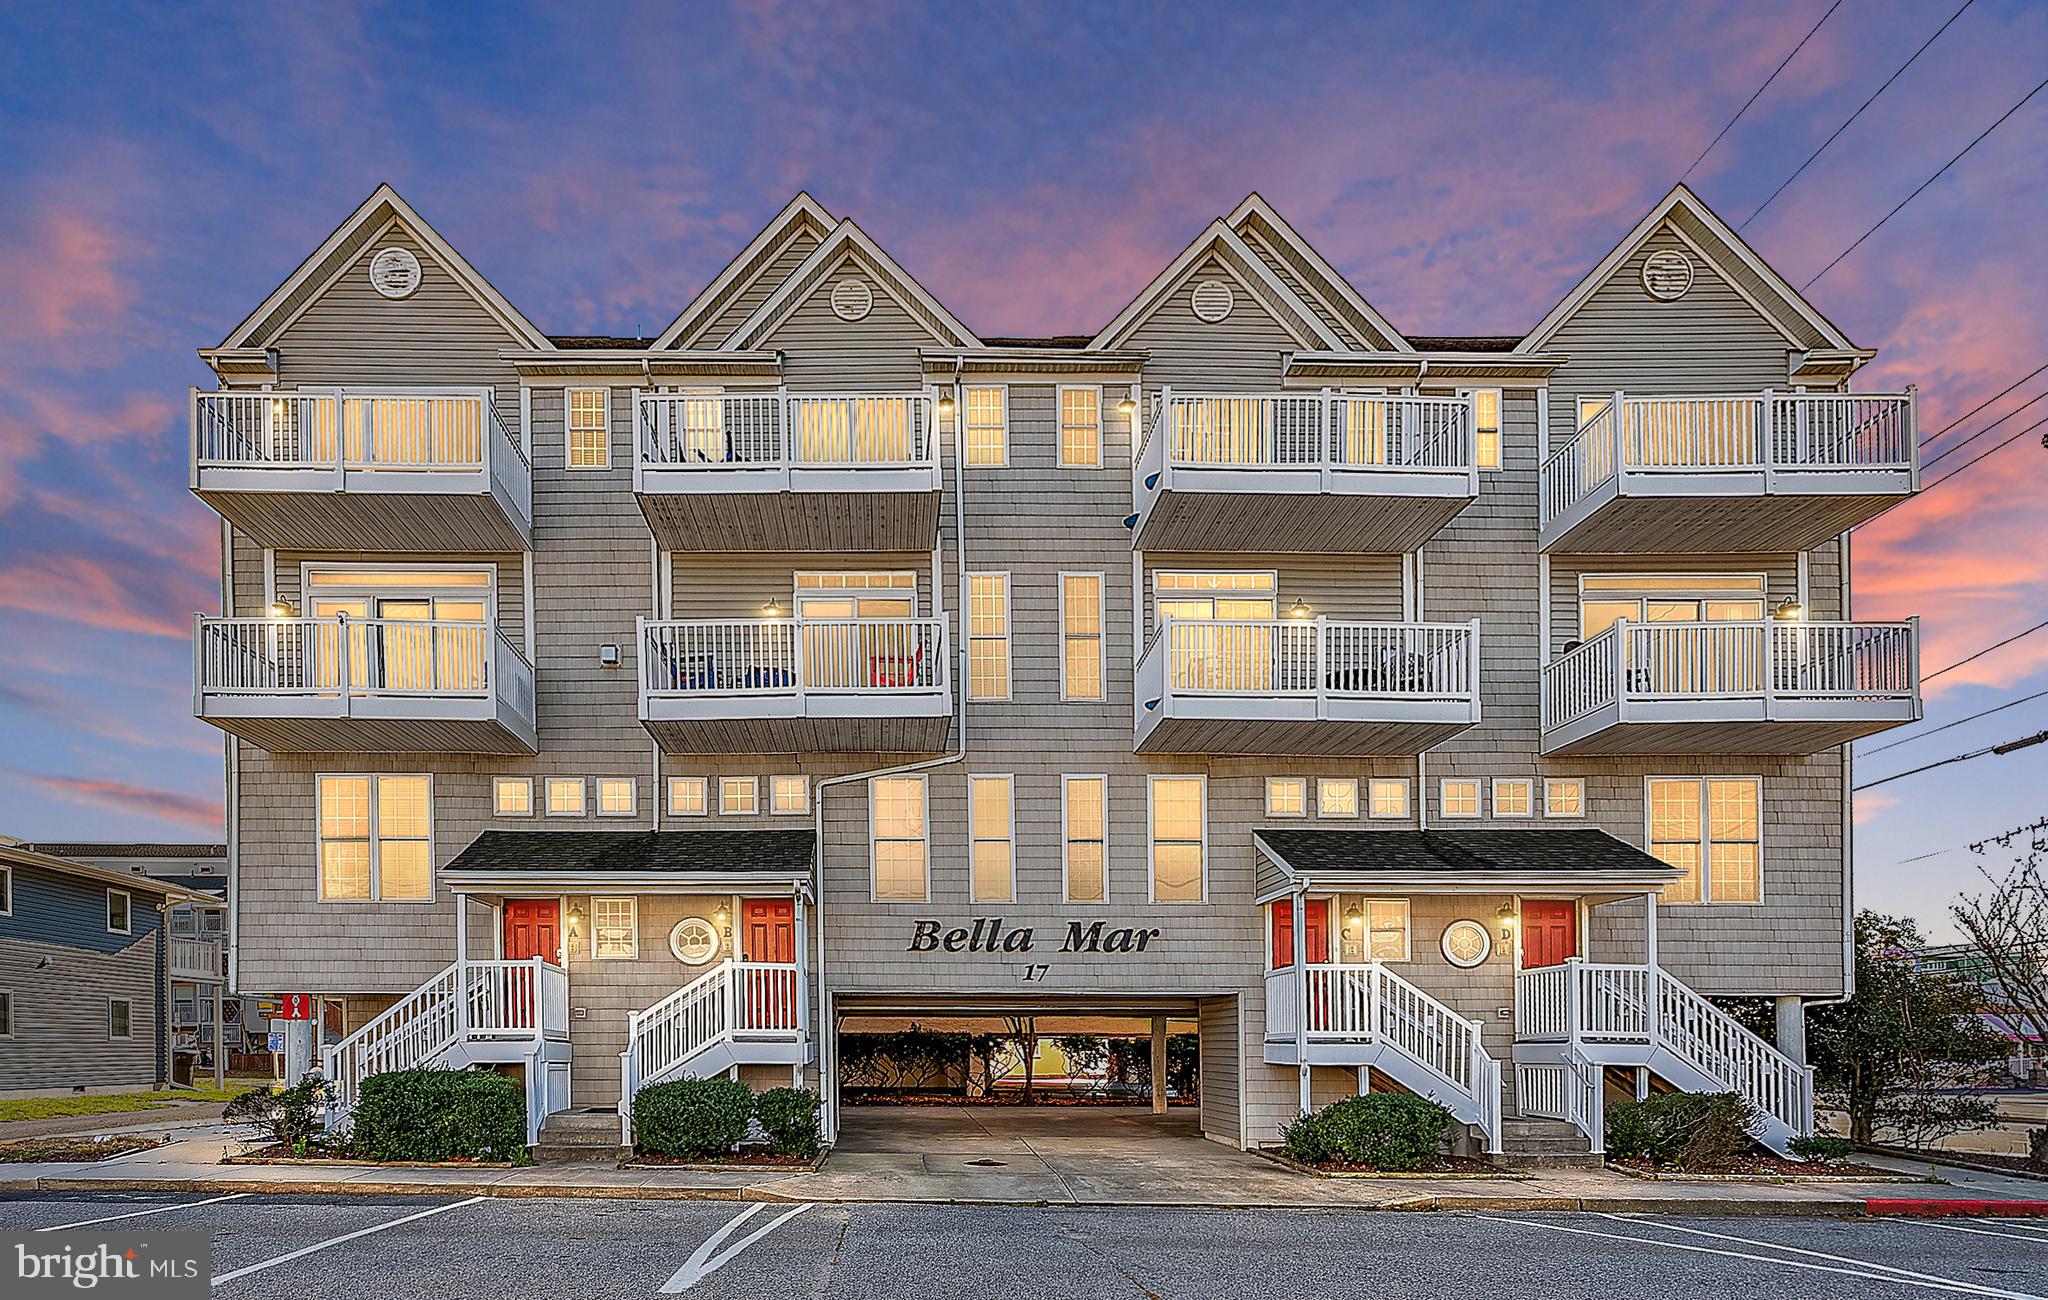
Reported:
(1514, 797)
(590, 429)
(1081, 636)
(987, 431)
(375, 838)
(1564, 797)
(617, 796)
(992, 860)
(1081, 428)
(897, 854)
(565, 796)
(1712, 821)
(1178, 833)
(1668, 598)
(512, 796)
(789, 796)
(1389, 797)
(1286, 796)
(739, 796)
(988, 636)
(1458, 798)
(1486, 417)
(614, 929)
(1085, 808)
(1386, 929)
(1336, 797)
(689, 796)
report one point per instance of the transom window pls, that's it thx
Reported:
(614, 929)
(1081, 428)
(992, 861)
(898, 853)
(1667, 598)
(987, 429)
(1389, 797)
(739, 796)
(1286, 796)
(512, 796)
(1085, 801)
(1179, 839)
(1710, 828)
(375, 838)
(1337, 797)
(589, 429)
(689, 796)
(1459, 798)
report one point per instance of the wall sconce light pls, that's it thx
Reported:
(1128, 406)
(946, 402)
(1354, 916)
(1791, 611)
(608, 655)
(1506, 913)
(1300, 609)
(773, 609)
(283, 609)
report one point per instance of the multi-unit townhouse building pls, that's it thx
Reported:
(1451, 714)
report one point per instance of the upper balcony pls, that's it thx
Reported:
(363, 469)
(364, 684)
(792, 685)
(1763, 687)
(200, 960)
(773, 471)
(1302, 472)
(1756, 472)
(1247, 686)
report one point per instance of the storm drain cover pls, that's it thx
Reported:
(989, 1164)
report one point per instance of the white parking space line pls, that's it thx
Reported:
(1899, 1274)
(702, 1263)
(304, 1251)
(1868, 1274)
(1957, 1227)
(2015, 1225)
(136, 1214)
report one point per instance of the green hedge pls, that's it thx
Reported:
(440, 1115)
(1382, 1130)
(789, 1116)
(1683, 1130)
(691, 1117)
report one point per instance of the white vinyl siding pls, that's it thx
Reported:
(987, 427)
(988, 636)
(376, 838)
(1177, 829)
(992, 859)
(1713, 823)
(1081, 636)
(1084, 805)
(589, 429)
(898, 851)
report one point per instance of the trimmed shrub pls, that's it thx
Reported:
(2037, 1147)
(789, 1116)
(474, 1114)
(1823, 1147)
(1389, 1131)
(1684, 1130)
(292, 1115)
(691, 1117)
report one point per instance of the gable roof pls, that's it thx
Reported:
(1318, 277)
(849, 241)
(1286, 306)
(340, 250)
(800, 216)
(1706, 234)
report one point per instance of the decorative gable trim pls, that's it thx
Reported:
(800, 216)
(1248, 268)
(1376, 332)
(1720, 247)
(848, 242)
(339, 251)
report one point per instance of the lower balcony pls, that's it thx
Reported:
(1764, 687)
(791, 685)
(1312, 687)
(364, 684)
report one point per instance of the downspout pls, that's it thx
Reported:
(1848, 834)
(827, 1043)
(232, 805)
(655, 793)
(1421, 758)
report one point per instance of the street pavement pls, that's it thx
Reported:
(281, 1247)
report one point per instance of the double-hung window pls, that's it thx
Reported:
(993, 859)
(987, 428)
(589, 429)
(1081, 636)
(1179, 817)
(1486, 419)
(897, 818)
(376, 838)
(1080, 428)
(1710, 828)
(120, 1018)
(120, 912)
(614, 929)
(988, 636)
(1085, 809)
(1386, 929)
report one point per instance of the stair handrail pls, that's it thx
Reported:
(1718, 1045)
(1455, 1052)
(419, 1026)
(694, 1017)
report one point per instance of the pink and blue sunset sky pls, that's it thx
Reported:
(1462, 164)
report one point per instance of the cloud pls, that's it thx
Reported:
(77, 589)
(201, 813)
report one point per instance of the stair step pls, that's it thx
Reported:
(556, 1154)
(1548, 1160)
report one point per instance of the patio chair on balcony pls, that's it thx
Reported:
(896, 670)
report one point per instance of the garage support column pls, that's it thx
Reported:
(1791, 1033)
(1159, 1065)
(1300, 907)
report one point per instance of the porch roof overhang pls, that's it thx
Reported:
(642, 861)
(1421, 367)
(1030, 362)
(1580, 861)
(650, 365)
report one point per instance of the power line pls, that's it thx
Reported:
(1986, 402)
(1924, 184)
(1852, 117)
(1982, 713)
(1987, 455)
(1760, 90)
(1946, 452)
(2038, 738)
(2000, 645)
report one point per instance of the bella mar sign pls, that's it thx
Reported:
(988, 935)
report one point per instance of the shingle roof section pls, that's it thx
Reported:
(1465, 342)
(1063, 341)
(604, 852)
(1457, 851)
(600, 341)
(97, 849)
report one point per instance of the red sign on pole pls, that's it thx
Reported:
(295, 1006)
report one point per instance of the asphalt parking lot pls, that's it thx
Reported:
(282, 1247)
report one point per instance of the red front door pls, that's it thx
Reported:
(1550, 932)
(768, 934)
(1315, 914)
(533, 928)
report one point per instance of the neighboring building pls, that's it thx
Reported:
(1452, 713)
(2011, 1020)
(86, 970)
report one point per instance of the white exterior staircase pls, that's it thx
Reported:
(736, 1013)
(1573, 1019)
(472, 1012)
(1363, 1014)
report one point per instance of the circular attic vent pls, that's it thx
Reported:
(852, 300)
(1213, 301)
(1667, 274)
(395, 272)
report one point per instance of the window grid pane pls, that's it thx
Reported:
(1513, 798)
(688, 796)
(1087, 814)
(1177, 824)
(612, 928)
(739, 796)
(791, 795)
(1081, 636)
(513, 797)
(988, 636)
(1564, 798)
(1080, 427)
(1460, 798)
(1390, 798)
(985, 432)
(565, 796)
(589, 432)
(1286, 796)
(615, 796)
(1337, 798)
(899, 838)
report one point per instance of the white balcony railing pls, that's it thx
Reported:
(733, 1000)
(1313, 657)
(349, 659)
(876, 657)
(197, 959)
(716, 434)
(1767, 660)
(1312, 431)
(1766, 433)
(424, 431)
